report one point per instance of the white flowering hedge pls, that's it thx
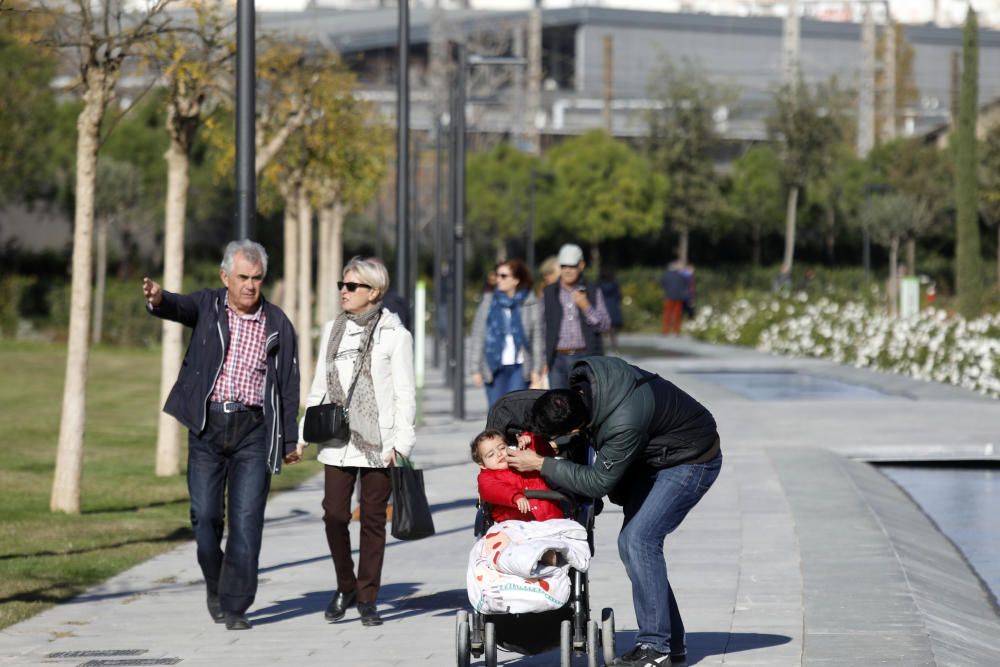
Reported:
(929, 346)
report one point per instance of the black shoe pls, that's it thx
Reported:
(215, 607)
(236, 621)
(643, 656)
(369, 614)
(339, 605)
(679, 658)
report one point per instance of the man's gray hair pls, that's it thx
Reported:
(251, 250)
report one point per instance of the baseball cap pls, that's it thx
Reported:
(570, 255)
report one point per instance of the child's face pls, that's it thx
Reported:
(493, 452)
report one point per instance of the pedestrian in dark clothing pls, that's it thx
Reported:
(238, 395)
(675, 293)
(612, 293)
(575, 317)
(657, 453)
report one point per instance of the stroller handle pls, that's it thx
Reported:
(542, 494)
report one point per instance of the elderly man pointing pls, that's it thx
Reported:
(238, 395)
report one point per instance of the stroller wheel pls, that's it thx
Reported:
(490, 644)
(608, 634)
(565, 643)
(462, 638)
(593, 641)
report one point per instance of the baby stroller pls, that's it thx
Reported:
(569, 627)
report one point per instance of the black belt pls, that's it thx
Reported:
(233, 406)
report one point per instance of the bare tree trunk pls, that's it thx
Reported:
(683, 243)
(324, 275)
(911, 257)
(789, 256)
(168, 432)
(893, 287)
(338, 213)
(304, 297)
(69, 455)
(101, 281)
(998, 255)
(595, 259)
(291, 252)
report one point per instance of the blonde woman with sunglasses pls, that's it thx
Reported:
(368, 347)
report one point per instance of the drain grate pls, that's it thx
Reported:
(97, 653)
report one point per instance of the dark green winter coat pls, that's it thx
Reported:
(638, 418)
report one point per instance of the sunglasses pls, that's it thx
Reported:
(569, 266)
(351, 287)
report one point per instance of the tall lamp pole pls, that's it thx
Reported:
(456, 311)
(403, 155)
(246, 175)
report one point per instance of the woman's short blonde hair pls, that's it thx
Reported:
(372, 272)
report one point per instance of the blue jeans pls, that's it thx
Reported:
(656, 505)
(505, 379)
(231, 452)
(560, 368)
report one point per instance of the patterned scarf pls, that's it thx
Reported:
(363, 410)
(499, 326)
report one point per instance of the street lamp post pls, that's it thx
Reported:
(457, 360)
(246, 175)
(402, 155)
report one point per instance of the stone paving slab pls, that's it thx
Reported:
(799, 555)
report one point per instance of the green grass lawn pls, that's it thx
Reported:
(128, 513)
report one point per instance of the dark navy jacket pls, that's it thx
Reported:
(205, 312)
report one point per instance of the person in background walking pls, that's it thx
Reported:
(238, 396)
(675, 294)
(612, 293)
(575, 317)
(506, 352)
(382, 411)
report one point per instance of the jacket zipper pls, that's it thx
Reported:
(222, 341)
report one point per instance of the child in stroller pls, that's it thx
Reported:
(527, 576)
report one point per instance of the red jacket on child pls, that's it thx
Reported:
(501, 489)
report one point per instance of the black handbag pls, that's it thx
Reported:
(329, 421)
(411, 515)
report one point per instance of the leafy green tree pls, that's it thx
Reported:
(838, 193)
(756, 194)
(890, 219)
(809, 123)
(924, 172)
(102, 36)
(681, 138)
(603, 190)
(989, 184)
(26, 103)
(498, 194)
(968, 278)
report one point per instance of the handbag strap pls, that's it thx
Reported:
(359, 362)
(357, 366)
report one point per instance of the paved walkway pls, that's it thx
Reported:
(800, 555)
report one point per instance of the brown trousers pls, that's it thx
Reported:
(375, 490)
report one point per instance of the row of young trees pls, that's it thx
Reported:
(318, 149)
(666, 184)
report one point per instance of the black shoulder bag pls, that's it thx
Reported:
(329, 421)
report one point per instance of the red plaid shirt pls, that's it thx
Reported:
(242, 376)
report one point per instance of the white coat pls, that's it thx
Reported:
(392, 378)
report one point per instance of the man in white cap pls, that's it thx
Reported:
(575, 317)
